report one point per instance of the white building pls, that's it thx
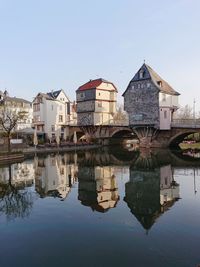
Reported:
(15, 105)
(52, 113)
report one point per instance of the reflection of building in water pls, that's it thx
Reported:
(150, 192)
(169, 189)
(54, 176)
(22, 174)
(97, 187)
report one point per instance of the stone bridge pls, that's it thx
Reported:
(148, 136)
(105, 134)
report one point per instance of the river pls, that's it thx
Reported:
(106, 207)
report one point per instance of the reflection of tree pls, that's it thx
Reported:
(15, 201)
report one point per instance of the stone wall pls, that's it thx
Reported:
(141, 102)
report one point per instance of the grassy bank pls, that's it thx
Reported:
(191, 146)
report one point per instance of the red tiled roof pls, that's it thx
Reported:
(89, 85)
(92, 84)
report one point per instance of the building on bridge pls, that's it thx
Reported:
(96, 103)
(149, 100)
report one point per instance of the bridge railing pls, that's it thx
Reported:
(118, 122)
(192, 123)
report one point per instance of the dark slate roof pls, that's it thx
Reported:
(93, 84)
(47, 96)
(149, 73)
(54, 94)
(51, 95)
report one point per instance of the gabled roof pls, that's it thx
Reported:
(46, 96)
(160, 83)
(93, 84)
(52, 95)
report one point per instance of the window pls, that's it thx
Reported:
(163, 97)
(60, 118)
(159, 83)
(165, 114)
(82, 94)
(52, 128)
(141, 74)
(100, 104)
(148, 85)
(99, 93)
(36, 107)
(51, 107)
(36, 118)
(61, 107)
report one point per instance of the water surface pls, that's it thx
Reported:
(101, 208)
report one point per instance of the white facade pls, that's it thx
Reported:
(168, 104)
(54, 175)
(169, 190)
(52, 113)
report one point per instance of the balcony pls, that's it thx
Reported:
(38, 122)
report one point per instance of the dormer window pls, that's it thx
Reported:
(159, 83)
(141, 74)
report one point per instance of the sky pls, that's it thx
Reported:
(48, 45)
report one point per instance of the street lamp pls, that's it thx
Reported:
(194, 117)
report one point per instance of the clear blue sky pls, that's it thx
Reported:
(47, 44)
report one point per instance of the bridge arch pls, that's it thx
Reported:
(121, 136)
(79, 135)
(179, 137)
(119, 133)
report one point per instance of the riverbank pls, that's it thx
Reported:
(10, 157)
(46, 150)
(20, 155)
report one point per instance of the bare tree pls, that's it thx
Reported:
(9, 119)
(185, 112)
(120, 116)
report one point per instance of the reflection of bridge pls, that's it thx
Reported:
(147, 135)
